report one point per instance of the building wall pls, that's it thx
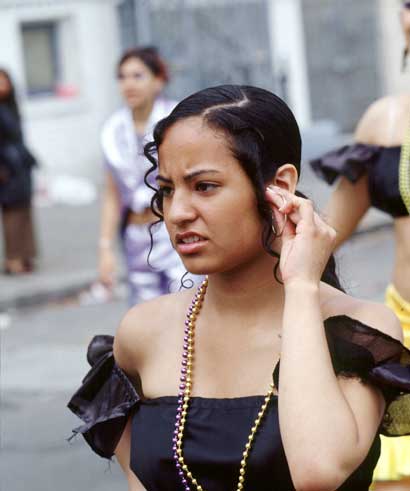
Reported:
(211, 42)
(394, 79)
(342, 48)
(62, 128)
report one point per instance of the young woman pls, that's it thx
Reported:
(16, 164)
(375, 171)
(195, 399)
(142, 75)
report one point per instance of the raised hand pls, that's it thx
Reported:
(307, 241)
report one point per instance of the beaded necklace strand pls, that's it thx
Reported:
(185, 387)
(404, 170)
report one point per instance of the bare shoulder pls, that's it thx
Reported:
(373, 314)
(145, 325)
(374, 120)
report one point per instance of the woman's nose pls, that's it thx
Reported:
(180, 208)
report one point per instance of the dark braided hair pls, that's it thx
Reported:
(263, 135)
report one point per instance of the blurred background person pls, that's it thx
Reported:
(142, 75)
(16, 164)
(375, 172)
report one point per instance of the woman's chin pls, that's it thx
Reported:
(195, 267)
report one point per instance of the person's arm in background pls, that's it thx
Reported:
(350, 201)
(110, 216)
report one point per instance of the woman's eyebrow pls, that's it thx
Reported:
(190, 176)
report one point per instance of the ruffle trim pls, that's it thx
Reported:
(105, 399)
(350, 161)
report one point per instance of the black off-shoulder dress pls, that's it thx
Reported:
(217, 429)
(381, 164)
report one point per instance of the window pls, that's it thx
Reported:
(40, 57)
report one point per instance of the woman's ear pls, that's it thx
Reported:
(286, 177)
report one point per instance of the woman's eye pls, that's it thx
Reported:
(165, 191)
(205, 186)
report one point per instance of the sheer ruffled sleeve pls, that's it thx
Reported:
(105, 399)
(360, 351)
(350, 161)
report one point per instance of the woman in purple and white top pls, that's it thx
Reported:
(142, 75)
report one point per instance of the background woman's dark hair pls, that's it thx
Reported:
(10, 100)
(263, 135)
(150, 56)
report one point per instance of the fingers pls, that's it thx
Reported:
(300, 211)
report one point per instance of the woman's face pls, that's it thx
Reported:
(209, 204)
(5, 87)
(138, 85)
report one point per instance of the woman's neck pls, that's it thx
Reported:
(141, 116)
(245, 292)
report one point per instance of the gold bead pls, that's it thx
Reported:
(260, 414)
(240, 485)
(253, 429)
(245, 454)
(243, 463)
(194, 482)
(181, 460)
(267, 399)
(199, 488)
(248, 446)
(189, 474)
(185, 468)
(241, 478)
(241, 472)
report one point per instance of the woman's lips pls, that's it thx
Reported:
(188, 247)
(192, 248)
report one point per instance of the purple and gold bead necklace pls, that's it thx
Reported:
(185, 393)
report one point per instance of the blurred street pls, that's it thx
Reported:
(44, 332)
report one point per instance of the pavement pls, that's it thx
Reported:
(68, 236)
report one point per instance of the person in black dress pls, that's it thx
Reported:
(16, 164)
(191, 394)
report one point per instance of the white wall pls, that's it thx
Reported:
(63, 131)
(391, 48)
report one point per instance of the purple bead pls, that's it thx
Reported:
(174, 448)
(182, 386)
(184, 481)
(174, 439)
(186, 338)
(187, 488)
(184, 362)
(183, 370)
(181, 473)
(178, 465)
(179, 409)
(185, 346)
(176, 432)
